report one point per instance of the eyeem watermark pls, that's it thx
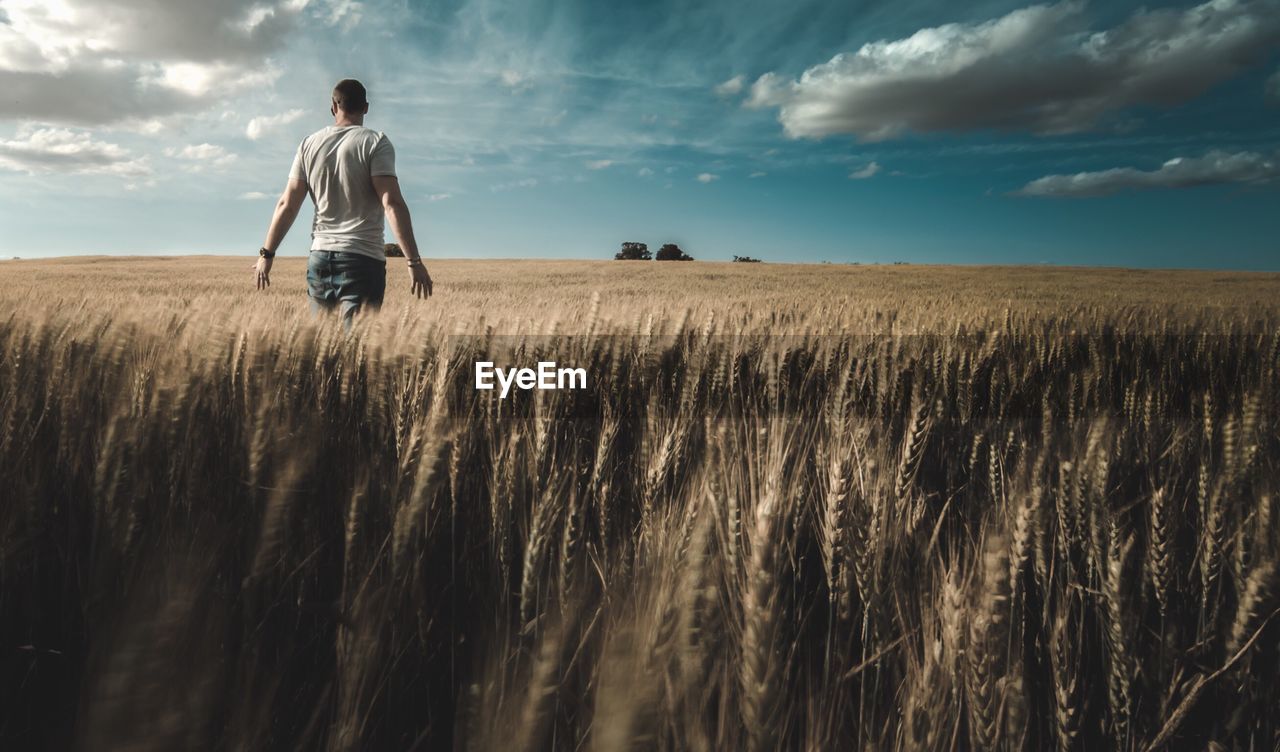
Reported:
(546, 376)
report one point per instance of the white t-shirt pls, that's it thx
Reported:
(337, 164)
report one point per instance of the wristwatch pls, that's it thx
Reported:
(263, 252)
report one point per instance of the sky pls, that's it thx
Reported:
(919, 131)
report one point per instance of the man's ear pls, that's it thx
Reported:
(365, 111)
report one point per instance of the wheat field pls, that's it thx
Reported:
(798, 508)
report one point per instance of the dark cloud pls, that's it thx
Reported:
(173, 30)
(1037, 68)
(1216, 167)
(102, 61)
(89, 96)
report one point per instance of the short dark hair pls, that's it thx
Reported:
(350, 95)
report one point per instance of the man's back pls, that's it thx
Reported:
(337, 164)
(350, 173)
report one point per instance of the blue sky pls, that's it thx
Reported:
(1000, 132)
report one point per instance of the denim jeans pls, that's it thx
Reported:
(347, 281)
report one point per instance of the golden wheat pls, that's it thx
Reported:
(796, 508)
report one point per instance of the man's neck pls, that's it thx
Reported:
(345, 121)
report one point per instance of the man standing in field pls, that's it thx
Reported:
(350, 172)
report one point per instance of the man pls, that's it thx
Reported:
(350, 173)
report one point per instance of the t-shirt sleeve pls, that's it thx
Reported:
(383, 159)
(298, 171)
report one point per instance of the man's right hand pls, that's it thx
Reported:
(421, 286)
(262, 272)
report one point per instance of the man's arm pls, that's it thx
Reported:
(388, 189)
(281, 220)
(287, 209)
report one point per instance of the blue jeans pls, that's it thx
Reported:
(347, 281)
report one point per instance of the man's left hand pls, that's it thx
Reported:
(262, 272)
(420, 286)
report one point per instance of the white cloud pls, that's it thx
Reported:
(514, 184)
(433, 197)
(1213, 168)
(515, 80)
(151, 127)
(47, 150)
(644, 172)
(707, 177)
(599, 164)
(870, 171)
(18, 51)
(1036, 69)
(731, 87)
(198, 151)
(252, 196)
(757, 174)
(344, 13)
(107, 61)
(200, 80)
(264, 124)
(770, 90)
(201, 156)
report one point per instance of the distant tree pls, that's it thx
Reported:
(672, 252)
(633, 252)
(746, 260)
(393, 250)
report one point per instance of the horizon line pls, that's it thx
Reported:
(941, 264)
